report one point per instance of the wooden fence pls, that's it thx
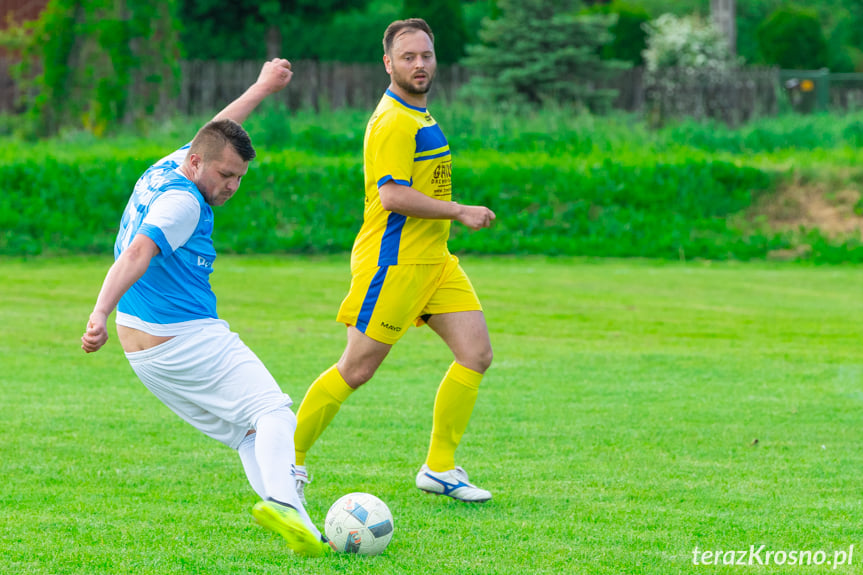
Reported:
(8, 92)
(846, 91)
(207, 85)
(732, 97)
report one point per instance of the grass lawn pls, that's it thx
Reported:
(635, 411)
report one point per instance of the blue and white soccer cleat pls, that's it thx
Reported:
(452, 483)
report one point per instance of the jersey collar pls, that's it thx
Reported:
(392, 95)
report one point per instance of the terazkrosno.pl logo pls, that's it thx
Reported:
(761, 555)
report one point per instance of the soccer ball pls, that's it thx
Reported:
(359, 523)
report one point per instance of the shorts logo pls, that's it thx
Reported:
(390, 327)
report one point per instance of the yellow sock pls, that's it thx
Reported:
(452, 408)
(319, 407)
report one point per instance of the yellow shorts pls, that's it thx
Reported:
(384, 301)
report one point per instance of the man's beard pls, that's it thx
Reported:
(408, 87)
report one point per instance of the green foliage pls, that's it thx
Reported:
(750, 15)
(357, 34)
(50, 40)
(657, 8)
(611, 207)
(541, 51)
(791, 37)
(80, 58)
(629, 35)
(840, 51)
(229, 30)
(446, 20)
(687, 42)
(559, 183)
(841, 22)
(474, 12)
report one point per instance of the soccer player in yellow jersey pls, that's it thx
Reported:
(402, 271)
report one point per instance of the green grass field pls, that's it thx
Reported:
(634, 411)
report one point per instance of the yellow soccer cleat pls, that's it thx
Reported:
(286, 521)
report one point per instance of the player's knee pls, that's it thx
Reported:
(479, 360)
(356, 375)
(483, 359)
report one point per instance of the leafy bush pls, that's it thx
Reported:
(446, 19)
(295, 202)
(685, 42)
(791, 37)
(628, 33)
(559, 183)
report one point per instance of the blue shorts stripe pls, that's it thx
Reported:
(371, 299)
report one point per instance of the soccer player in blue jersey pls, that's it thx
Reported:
(166, 312)
(402, 270)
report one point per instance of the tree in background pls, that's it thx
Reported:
(355, 35)
(855, 36)
(629, 35)
(791, 37)
(230, 30)
(750, 14)
(541, 51)
(841, 22)
(446, 20)
(845, 38)
(81, 58)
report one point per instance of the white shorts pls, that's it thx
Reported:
(212, 380)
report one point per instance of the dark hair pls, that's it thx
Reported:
(399, 26)
(211, 140)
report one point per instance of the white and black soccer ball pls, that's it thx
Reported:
(359, 523)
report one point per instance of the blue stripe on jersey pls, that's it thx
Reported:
(371, 299)
(403, 103)
(388, 178)
(391, 239)
(158, 237)
(446, 153)
(430, 138)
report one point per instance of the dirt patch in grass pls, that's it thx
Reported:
(799, 206)
(813, 206)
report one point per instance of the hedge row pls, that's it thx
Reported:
(300, 203)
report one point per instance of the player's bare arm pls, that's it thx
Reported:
(128, 268)
(409, 202)
(274, 76)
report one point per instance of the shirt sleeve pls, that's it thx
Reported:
(171, 220)
(392, 145)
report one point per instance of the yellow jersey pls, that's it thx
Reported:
(404, 144)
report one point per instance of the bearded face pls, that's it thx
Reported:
(412, 64)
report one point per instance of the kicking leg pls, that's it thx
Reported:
(324, 398)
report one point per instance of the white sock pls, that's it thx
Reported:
(274, 452)
(250, 464)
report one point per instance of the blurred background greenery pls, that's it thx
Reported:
(643, 128)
